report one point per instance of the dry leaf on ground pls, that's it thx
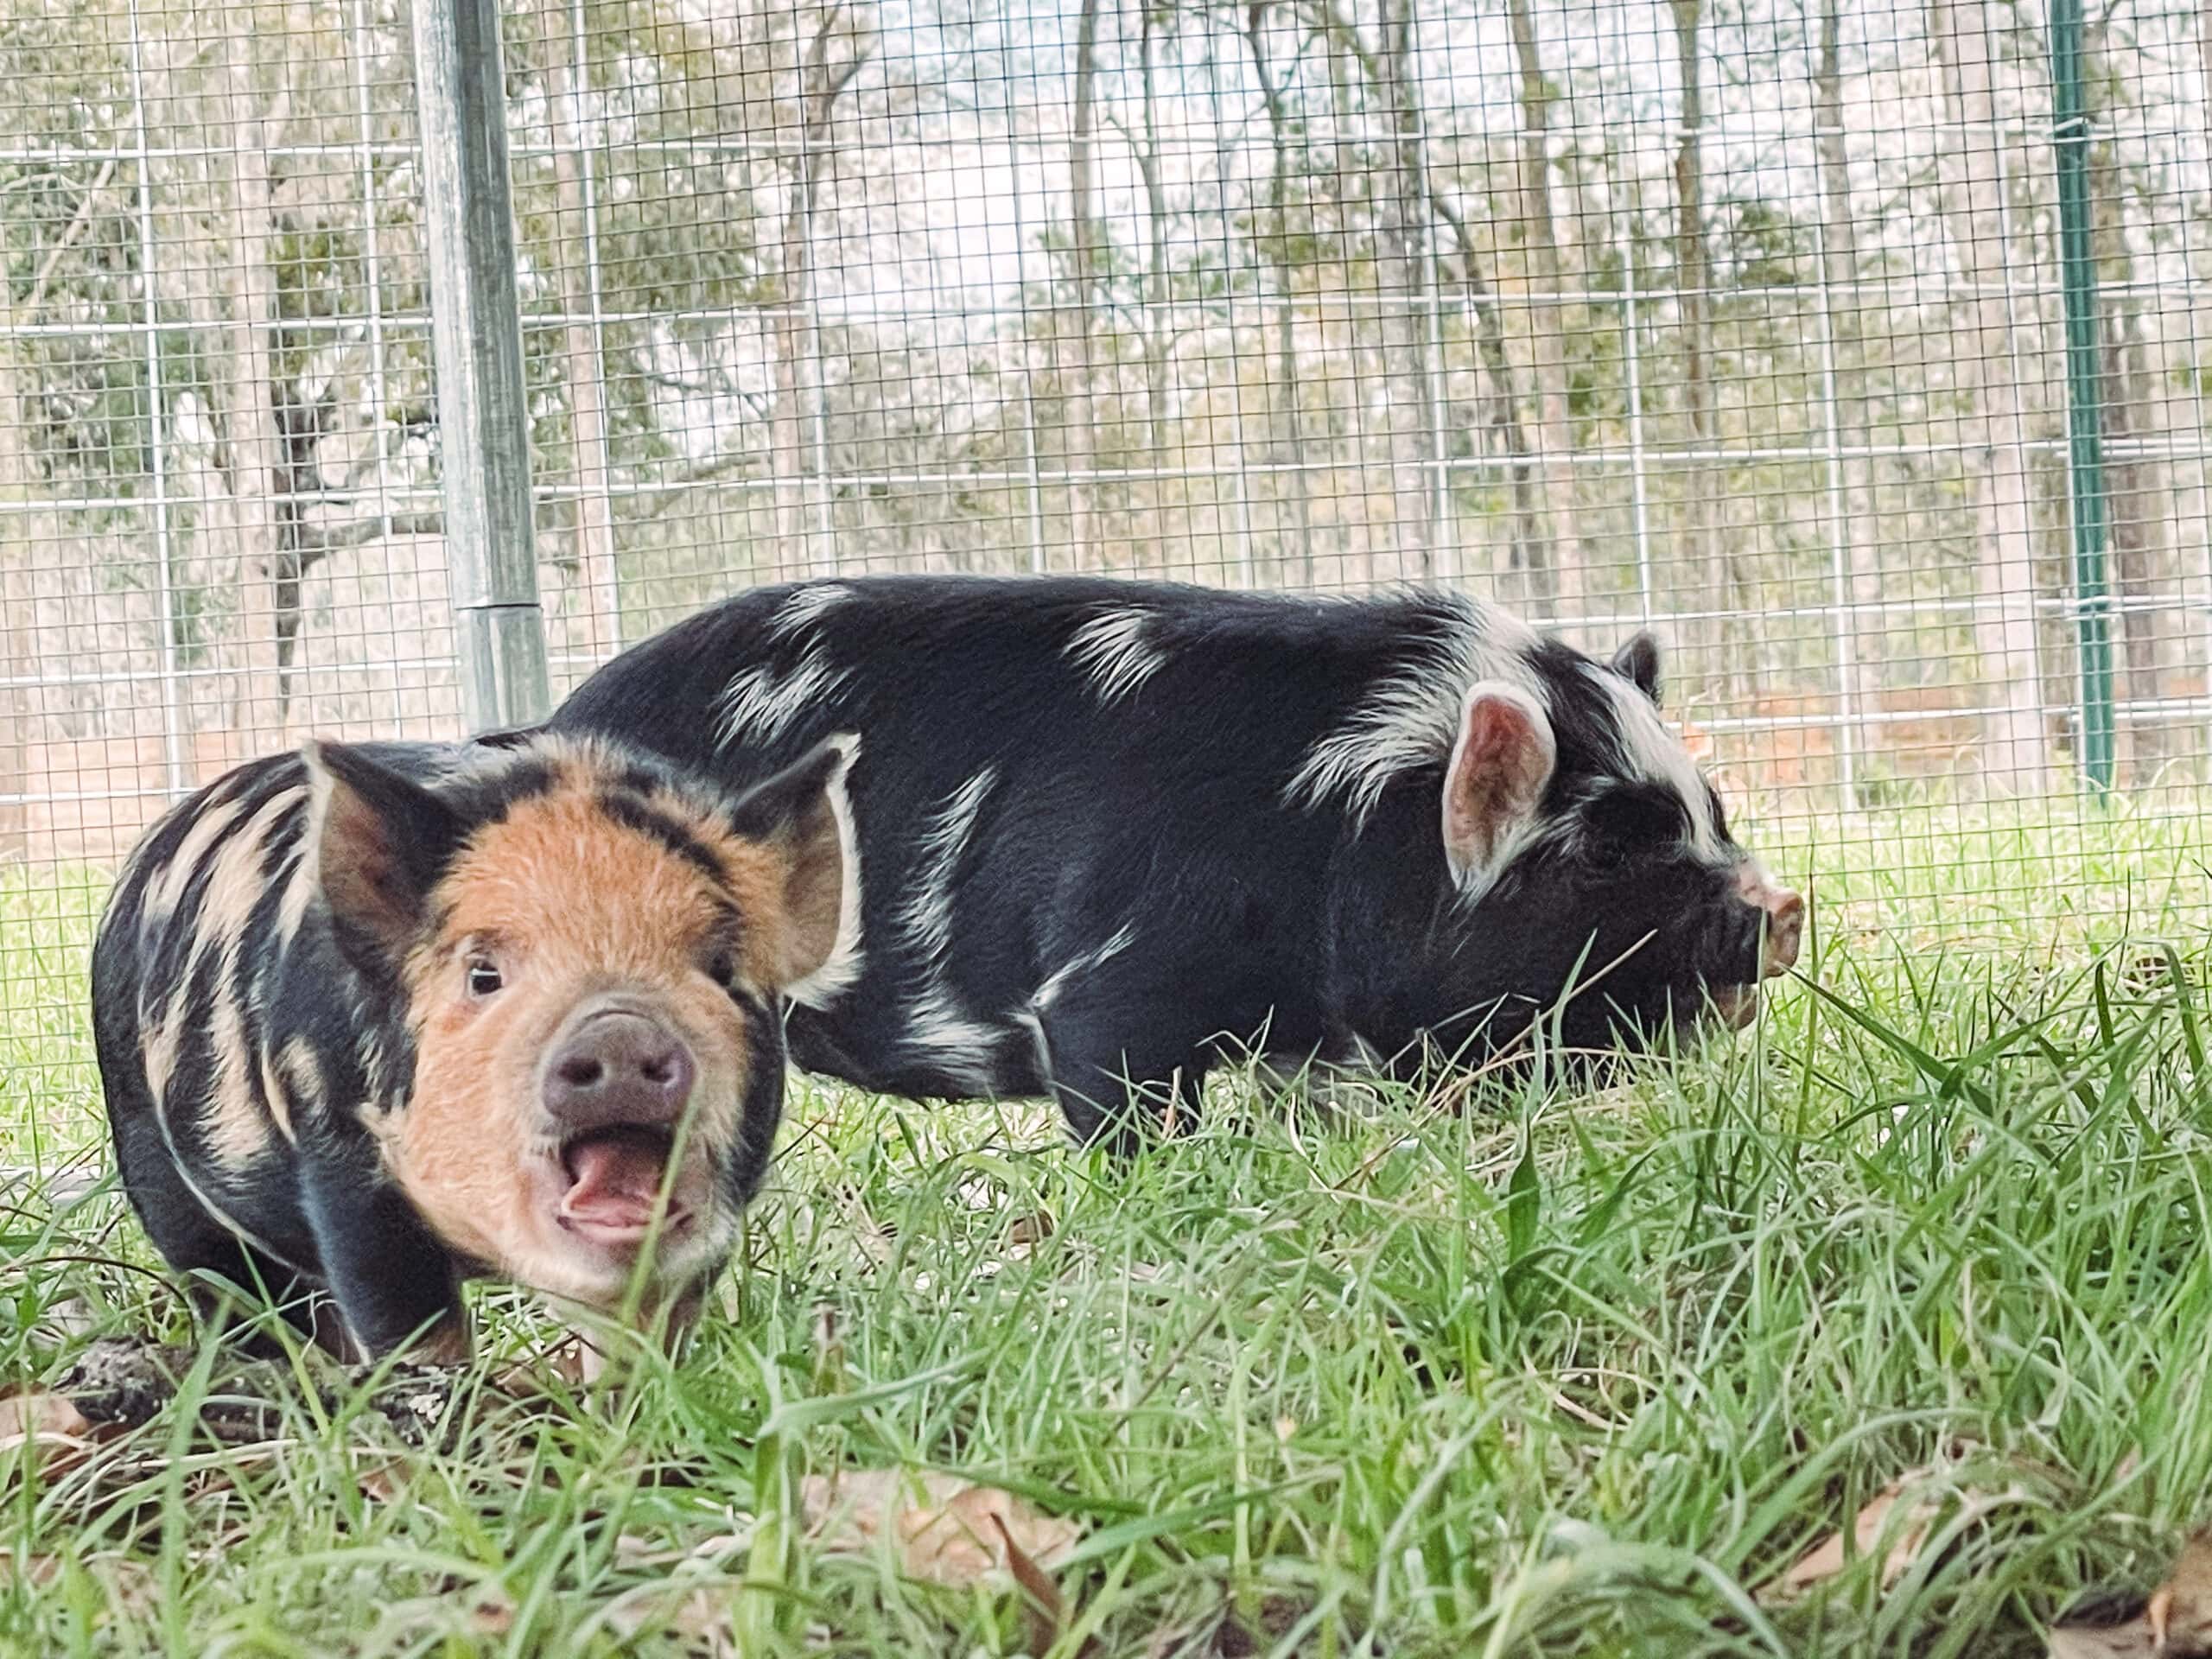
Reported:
(46, 1428)
(700, 1617)
(1047, 1608)
(2175, 1623)
(2128, 1640)
(1890, 1522)
(1223, 1635)
(530, 1380)
(1874, 1526)
(129, 1583)
(943, 1528)
(483, 1609)
(30, 1417)
(383, 1479)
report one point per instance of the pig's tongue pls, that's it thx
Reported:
(614, 1175)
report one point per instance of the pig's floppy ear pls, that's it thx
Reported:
(378, 843)
(802, 818)
(1502, 762)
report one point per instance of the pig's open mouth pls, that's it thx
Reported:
(615, 1178)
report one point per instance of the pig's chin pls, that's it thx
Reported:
(1735, 1006)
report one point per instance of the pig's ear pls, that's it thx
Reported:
(1637, 662)
(802, 818)
(1502, 762)
(378, 843)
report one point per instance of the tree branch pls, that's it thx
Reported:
(67, 239)
(321, 540)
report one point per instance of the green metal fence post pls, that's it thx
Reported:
(2084, 392)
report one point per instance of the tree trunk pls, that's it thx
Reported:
(1074, 327)
(1693, 280)
(821, 83)
(1973, 175)
(1555, 429)
(1859, 666)
(21, 533)
(255, 472)
(24, 531)
(1157, 330)
(1509, 435)
(2140, 487)
(794, 286)
(582, 369)
(1403, 289)
(1285, 421)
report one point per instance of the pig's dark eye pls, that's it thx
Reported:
(483, 977)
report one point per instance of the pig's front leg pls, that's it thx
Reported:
(395, 1284)
(1123, 1068)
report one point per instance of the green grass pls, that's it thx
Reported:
(1555, 1374)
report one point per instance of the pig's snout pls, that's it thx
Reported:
(617, 1067)
(1785, 917)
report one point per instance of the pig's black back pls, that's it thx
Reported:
(1085, 854)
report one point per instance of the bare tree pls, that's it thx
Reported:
(1974, 178)
(1859, 671)
(18, 621)
(1401, 237)
(1072, 439)
(1286, 423)
(25, 528)
(1157, 322)
(1554, 428)
(1509, 432)
(1402, 203)
(252, 437)
(2140, 488)
(258, 472)
(839, 48)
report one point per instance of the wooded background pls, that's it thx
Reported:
(1742, 318)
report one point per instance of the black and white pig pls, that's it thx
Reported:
(1112, 830)
(373, 1019)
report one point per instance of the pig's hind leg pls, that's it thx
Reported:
(226, 1281)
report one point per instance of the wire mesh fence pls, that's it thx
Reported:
(1860, 349)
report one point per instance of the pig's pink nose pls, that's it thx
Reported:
(1785, 917)
(618, 1068)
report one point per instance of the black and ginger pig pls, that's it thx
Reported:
(374, 1019)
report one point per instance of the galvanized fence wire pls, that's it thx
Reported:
(1860, 349)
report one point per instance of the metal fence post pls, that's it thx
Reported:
(2084, 391)
(476, 334)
